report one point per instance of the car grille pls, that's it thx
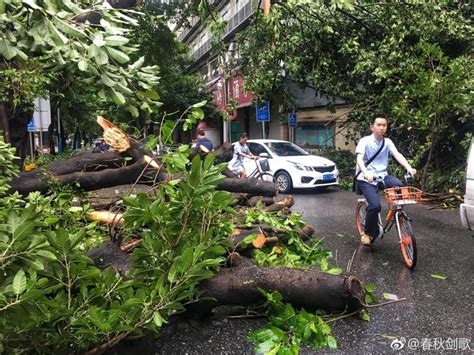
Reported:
(320, 181)
(323, 169)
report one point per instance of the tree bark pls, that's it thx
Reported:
(311, 289)
(250, 186)
(103, 199)
(37, 181)
(86, 162)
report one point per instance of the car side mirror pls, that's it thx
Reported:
(264, 155)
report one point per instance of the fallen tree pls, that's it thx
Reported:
(92, 171)
(311, 288)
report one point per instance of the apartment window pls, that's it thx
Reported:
(315, 135)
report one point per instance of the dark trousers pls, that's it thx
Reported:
(370, 193)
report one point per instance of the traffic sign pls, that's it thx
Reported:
(292, 120)
(31, 126)
(263, 113)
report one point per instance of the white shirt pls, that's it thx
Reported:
(368, 146)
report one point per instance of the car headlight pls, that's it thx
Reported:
(302, 167)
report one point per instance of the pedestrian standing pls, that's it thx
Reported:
(203, 143)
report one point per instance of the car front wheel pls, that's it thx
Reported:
(283, 179)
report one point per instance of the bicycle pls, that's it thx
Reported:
(397, 198)
(260, 172)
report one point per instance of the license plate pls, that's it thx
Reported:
(327, 177)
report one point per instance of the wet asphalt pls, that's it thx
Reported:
(437, 315)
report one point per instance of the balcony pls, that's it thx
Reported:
(201, 51)
(195, 20)
(233, 25)
(240, 17)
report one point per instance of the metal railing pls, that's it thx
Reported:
(235, 21)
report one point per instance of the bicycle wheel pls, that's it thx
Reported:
(360, 217)
(407, 241)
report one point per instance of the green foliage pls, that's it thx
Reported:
(8, 169)
(22, 86)
(158, 45)
(410, 60)
(289, 329)
(55, 36)
(52, 297)
(291, 251)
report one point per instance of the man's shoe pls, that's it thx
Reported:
(365, 239)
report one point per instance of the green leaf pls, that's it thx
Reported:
(35, 264)
(8, 51)
(331, 342)
(119, 56)
(138, 64)
(152, 94)
(324, 264)
(116, 40)
(82, 65)
(71, 6)
(117, 97)
(51, 220)
(364, 315)
(102, 57)
(92, 51)
(439, 276)
(335, 271)
(133, 111)
(69, 29)
(19, 282)
(57, 35)
(370, 287)
(107, 81)
(200, 104)
(46, 254)
(158, 319)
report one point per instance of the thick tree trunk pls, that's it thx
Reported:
(19, 133)
(92, 180)
(86, 162)
(311, 289)
(103, 199)
(250, 186)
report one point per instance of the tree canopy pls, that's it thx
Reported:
(57, 36)
(407, 59)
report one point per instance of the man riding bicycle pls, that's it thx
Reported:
(376, 149)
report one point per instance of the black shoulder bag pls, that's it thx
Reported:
(355, 187)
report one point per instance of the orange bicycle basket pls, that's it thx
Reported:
(406, 195)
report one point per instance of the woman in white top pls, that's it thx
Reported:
(241, 151)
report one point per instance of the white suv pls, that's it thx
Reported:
(467, 208)
(291, 166)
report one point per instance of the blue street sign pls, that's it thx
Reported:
(31, 126)
(292, 120)
(263, 113)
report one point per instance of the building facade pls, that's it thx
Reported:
(315, 126)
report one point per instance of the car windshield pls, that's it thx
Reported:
(285, 149)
